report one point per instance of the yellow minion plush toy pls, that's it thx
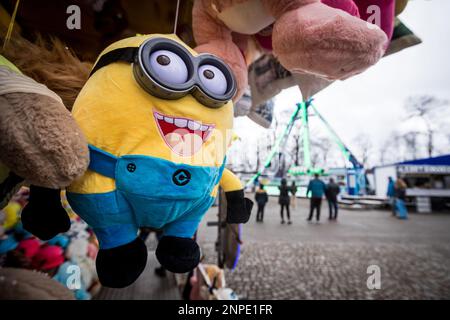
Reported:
(158, 119)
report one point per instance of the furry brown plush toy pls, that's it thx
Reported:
(41, 144)
(30, 285)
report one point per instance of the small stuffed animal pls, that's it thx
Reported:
(21, 284)
(158, 119)
(308, 36)
(40, 141)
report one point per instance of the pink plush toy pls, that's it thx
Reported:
(308, 36)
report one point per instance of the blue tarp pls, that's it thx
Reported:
(434, 161)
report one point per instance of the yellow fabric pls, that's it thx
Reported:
(11, 215)
(116, 115)
(230, 182)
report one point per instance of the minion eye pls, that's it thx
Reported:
(213, 79)
(169, 67)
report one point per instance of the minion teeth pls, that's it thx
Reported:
(184, 136)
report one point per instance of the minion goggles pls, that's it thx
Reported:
(167, 70)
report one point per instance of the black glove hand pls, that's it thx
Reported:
(239, 208)
(44, 216)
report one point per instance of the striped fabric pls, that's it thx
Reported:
(11, 81)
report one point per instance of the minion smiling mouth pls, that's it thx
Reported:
(184, 136)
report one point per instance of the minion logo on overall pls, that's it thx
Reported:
(156, 116)
(181, 177)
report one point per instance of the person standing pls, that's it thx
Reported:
(317, 188)
(284, 200)
(390, 193)
(261, 199)
(400, 198)
(293, 197)
(331, 194)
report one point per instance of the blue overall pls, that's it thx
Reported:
(150, 192)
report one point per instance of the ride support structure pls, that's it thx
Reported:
(356, 179)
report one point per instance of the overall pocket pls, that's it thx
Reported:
(155, 178)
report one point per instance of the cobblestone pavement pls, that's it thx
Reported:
(330, 260)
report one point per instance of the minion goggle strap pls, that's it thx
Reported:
(167, 70)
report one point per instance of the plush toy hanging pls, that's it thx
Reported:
(326, 38)
(158, 119)
(40, 141)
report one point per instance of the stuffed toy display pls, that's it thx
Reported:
(58, 257)
(208, 283)
(326, 38)
(40, 141)
(21, 284)
(267, 77)
(158, 119)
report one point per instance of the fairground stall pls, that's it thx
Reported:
(428, 182)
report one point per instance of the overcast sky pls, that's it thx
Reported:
(372, 103)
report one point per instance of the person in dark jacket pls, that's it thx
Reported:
(284, 200)
(317, 188)
(261, 199)
(331, 194)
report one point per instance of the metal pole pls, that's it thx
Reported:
(306, 142)
(358, 167)
(333, 134)
(276, 147)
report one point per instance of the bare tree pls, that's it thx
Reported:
(326, 147)
(272, 134)
(363, 145)
(384, 152)
(258, 155)
(425, 107)
(411, 143)
(296, 148)
(399, 147)
(320, 149)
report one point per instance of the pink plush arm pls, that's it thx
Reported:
(214, 37)
(312, 37)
